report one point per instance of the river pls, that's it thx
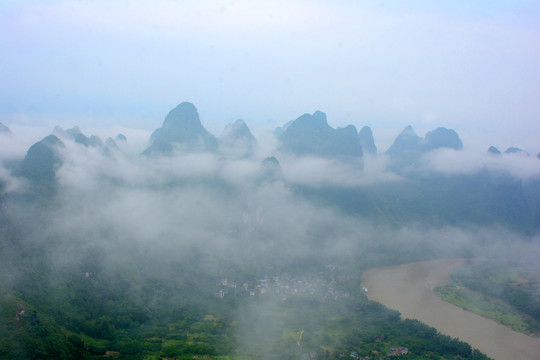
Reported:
(409, 289)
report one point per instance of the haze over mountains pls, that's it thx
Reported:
(311, 135)
(4, 129)
(100, 240)
(182, 129)
(413, 180)
(239, 225)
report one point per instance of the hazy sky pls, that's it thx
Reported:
(471, 66)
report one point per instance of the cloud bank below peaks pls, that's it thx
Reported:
(467, 162)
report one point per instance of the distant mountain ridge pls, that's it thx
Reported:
(311, 135)
(367, 141)
(408, 147)
(4, 129)
(237, 141)
(493, 150)
(442, 138)
(42, 160)
(182, 131)
(407, 141)
(467, 197)
(516, 150)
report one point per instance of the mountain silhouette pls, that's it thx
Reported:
(181, 131)
(311, 135)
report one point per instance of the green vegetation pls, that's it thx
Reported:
(445, 200)
(89, 310)
(76, 297)
(330, 328)
(340, 328)
(487, 307)
(516, 284)
(505, 292)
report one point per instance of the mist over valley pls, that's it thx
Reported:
(232, 245)
(239, 180)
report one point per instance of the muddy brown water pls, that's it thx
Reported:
(409, 289)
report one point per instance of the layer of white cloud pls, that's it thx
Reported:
(452, 162)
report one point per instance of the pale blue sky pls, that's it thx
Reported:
(471, 66)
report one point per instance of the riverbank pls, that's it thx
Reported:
(488, 307)
(409, 289)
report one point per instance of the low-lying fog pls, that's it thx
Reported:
(229, 208)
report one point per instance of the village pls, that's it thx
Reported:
(395, 351)
(328, 284)
(283, 286)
